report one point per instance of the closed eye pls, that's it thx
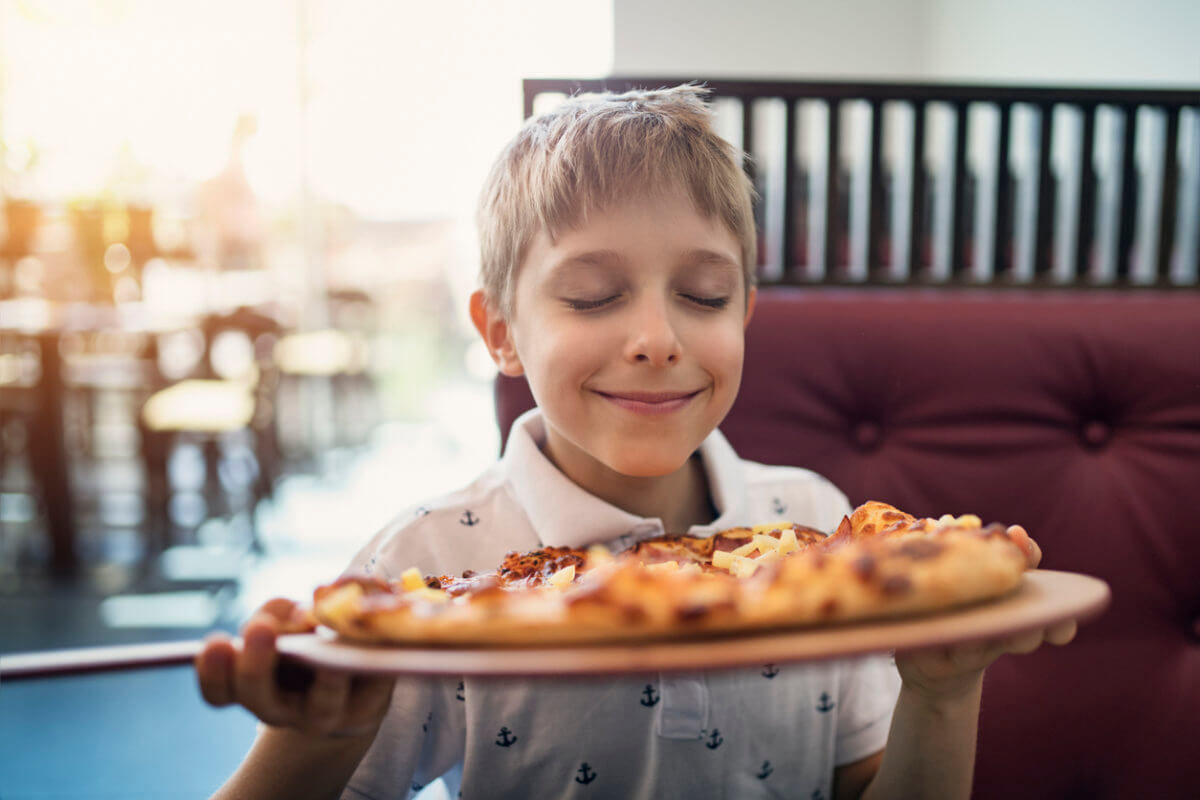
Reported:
(588, 305)
(707, 302)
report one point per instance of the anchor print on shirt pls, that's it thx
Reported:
(506, 738)
(422, 511)
(714, 739)
(778, 506)
(770, 671)
(585, 775)
(425, 725)
(468, 518)
(458, 692)
(651, 697)
(826, 704)
(765, 771)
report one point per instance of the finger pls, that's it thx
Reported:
(214, 670)
(325, 703)
(254, 675)
(280, 608)
(1025, 642)
(1020, 537)
(1062, 633)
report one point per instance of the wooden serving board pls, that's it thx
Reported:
(1043, 598)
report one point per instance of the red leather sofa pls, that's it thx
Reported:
(1075, 413)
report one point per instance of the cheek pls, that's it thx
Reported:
(723, 354)
(563, 354)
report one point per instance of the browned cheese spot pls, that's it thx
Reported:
(896, 584)
(864, 566)
(920, 549)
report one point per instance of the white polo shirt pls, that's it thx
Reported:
(770, 731)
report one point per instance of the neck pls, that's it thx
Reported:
(680, 499)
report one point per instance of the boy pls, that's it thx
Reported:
(618, 255)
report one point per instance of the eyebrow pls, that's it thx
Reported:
(705, 257)
(592, 258)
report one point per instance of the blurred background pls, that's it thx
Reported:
(235, 251)
(237, 246)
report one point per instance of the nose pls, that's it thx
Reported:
(653, 338)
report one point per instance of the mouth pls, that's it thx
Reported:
(651, 402)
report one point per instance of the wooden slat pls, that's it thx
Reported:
(1170, 192)
(1085, 220)
(875, 221)
(1129, 195)
(958, 260)
(833, 223)
(916, 199)
(786, 258)
(1002, 243)
(1043, 236)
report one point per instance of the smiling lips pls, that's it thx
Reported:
(650, 403)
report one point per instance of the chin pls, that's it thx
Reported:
(655, 463)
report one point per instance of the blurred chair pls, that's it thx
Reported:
(227, 408)
(21, 221)
(337, 359)
(20, 373)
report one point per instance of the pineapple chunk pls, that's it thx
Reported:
(743, 567)
(665, 566)
(746, 549)
(411, 579)
(788, 542)
(945, 519)
(562, 579)
(768, 557)
(969, 521)
(433, 595)
(766, 544)
(723, 559)
(597, 555)
(691, 568)
(767, 527)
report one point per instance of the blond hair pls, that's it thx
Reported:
(596, 150)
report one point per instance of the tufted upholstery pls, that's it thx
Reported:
(1076, 414)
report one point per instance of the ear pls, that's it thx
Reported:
(496, 334)
(751, 299)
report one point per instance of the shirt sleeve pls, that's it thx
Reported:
(870, 687)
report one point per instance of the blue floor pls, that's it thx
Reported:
(137, 734)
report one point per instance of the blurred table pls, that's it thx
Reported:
(47, 323)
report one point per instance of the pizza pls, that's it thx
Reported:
(880, 562)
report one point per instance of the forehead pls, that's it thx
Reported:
(657, 227)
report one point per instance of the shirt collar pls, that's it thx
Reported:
(565, 515)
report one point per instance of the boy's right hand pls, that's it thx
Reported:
(322, 703)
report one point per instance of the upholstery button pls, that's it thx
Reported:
(868, 435)
(1096, 433)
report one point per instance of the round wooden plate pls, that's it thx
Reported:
(1043, 598)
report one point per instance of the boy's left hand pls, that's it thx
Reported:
(941, 672)
(947, 672)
